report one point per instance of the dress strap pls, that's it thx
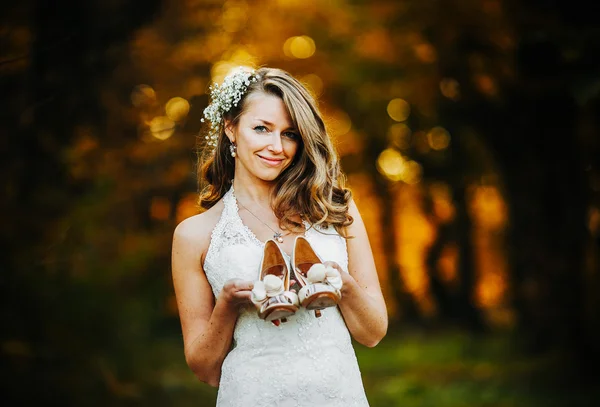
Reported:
(229, 204)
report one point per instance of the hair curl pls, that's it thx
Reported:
(312, 189)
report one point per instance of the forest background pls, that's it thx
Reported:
(469, 131)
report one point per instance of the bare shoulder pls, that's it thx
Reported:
(196, 230)
(354, 212)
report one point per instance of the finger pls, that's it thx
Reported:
(242, 296)
(242, 285)
(332, 264)
(230, 284)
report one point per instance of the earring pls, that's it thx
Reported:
(232, 149)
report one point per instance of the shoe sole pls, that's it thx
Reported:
(279, 312)
(320, 301)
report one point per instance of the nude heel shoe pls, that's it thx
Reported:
(271, 293)
(320, 285)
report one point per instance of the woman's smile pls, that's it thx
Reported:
(270, 161)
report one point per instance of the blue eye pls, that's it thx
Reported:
(260, 129)
(291, 135)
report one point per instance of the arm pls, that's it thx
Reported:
(362, 303)
(207, 325)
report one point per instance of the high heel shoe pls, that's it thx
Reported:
(271, 293)
(320, 285)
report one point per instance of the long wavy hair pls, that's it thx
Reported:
(313, 188)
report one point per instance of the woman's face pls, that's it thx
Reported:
(265, 137)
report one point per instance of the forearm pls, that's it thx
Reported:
(206, 352)
(365, 317)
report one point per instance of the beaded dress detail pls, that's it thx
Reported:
(306, 361)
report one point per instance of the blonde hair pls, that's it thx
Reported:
(313, 188)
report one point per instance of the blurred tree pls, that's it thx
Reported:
(101, 105)
(531, 123)
(58, 58)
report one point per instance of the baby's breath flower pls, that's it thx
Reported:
(223, 98)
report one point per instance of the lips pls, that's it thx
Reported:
(271, 161)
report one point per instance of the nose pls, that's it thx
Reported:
(276, 146)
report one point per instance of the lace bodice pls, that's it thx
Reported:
(306, 361)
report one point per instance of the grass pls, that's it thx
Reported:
(456, 370)
(437, 369)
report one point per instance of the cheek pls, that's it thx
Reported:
(247, 141)
(291, 148)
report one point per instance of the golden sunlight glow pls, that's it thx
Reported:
(177, 109)
(490, 215)
(425, 53)
(186, 207)
(240, 56)
(160, 208)
(196, 86)
(287, 47)
(420, 142)
(415, 235)
(399, 135)
(438, 138)
(283, 3)
(350, 143)
(450, 88)
(219, 71)
(391, 164)
(441, 196)
(162, 127)
(314, 84)
(300, 47)
(486, 84)
(339, 123)
(447, 264)
(491, 287)
(222, 68)
(398, 109)
(487, 207)
(376, 44)
(235, 14)
(143, 95)
(416, 232)
(413, 172)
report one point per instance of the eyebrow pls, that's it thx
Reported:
(271, 124)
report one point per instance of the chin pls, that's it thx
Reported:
(268, 175)
(269, 178)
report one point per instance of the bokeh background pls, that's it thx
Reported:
(469, 133)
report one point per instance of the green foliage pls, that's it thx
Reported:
(454, 370)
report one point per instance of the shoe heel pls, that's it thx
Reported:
(313, 295)
(271, 295)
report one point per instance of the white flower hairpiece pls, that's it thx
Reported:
(223, 98)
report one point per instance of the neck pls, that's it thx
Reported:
(251, 190)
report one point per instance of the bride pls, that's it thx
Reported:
(277, 275)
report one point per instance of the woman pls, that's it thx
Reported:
(273, 174)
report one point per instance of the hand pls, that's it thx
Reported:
(236, 292)
(347, 280)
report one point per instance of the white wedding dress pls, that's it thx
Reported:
(306, 361)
